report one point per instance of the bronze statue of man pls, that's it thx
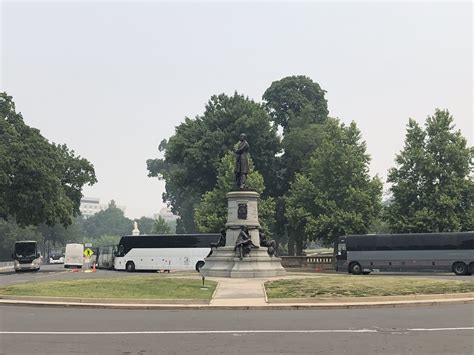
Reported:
(241, 162)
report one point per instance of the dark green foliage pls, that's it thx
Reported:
(40, 182)
(193, 153)
(145, 225)
(298, 105)
(160, 226)
(287, 98)
(334, 195)
(432, 190)
(108, 222)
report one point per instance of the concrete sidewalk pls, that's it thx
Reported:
(239, 292)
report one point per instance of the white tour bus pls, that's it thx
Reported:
(163, 252)
(74, 255)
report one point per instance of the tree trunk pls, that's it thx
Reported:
(299, 244)
(291, 242)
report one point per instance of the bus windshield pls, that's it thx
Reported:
(25, 250)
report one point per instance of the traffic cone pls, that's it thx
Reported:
(93, 268)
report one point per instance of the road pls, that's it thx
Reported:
(411, 330)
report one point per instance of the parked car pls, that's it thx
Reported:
(56, 259)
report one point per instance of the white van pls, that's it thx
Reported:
(74, 256)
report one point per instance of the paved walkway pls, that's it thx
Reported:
(239, 292)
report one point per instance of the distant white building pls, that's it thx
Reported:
(166, 214)
(91, 205)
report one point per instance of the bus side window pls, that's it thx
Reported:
(341, 249)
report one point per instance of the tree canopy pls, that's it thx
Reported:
(292, 95)
(334, 195)
(299, 106)
(319, 187)
(40, 182)
(111, 221)
(145, 225)
(192, 155)
(432, 189)
(160, 226)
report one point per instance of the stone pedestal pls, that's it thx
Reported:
(242, 210)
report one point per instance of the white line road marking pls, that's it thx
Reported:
(438, 329)
(268, 331)
(200, 332)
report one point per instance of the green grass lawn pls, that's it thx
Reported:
(141, 287)
(357, 286)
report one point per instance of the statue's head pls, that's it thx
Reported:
(243, 137)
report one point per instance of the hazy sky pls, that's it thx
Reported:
(112, 79)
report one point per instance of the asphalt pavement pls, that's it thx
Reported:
(410, 330)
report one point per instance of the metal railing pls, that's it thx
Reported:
(6, 264)
(318, 262)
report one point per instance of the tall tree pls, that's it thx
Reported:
(40, 182)
(299, 106)
(335, 194)
(193, 153)
(111, 222)
(160, 226)
(211, 213)
(432, 189)
(145, 225)
(290, 96)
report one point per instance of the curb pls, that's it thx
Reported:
(107, 301)
(282, 306)
(369, 299)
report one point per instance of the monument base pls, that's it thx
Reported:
(224, 263)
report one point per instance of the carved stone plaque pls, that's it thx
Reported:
(242, 211)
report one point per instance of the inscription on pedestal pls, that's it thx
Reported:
(242, 211)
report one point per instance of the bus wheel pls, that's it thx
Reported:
(130, 266)
(355, 269)
(199, 265)
(460, 268)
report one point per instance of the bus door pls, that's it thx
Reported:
(341, 254)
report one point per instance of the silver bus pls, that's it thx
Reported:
(106, 256)
(441, 252)
(26, 256)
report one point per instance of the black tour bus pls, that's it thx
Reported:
(442, 252)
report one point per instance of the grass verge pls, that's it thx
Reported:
(366, 286)
(148, 287)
